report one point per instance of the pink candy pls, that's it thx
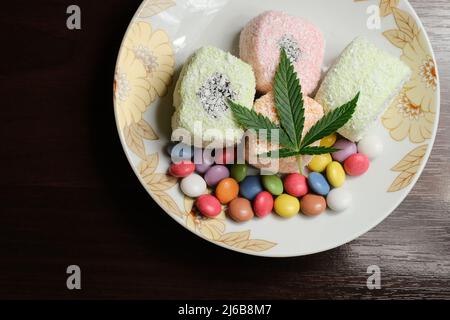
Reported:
(263, 204)
(296, 185)
(182, 169)
(208, 205)
(357, 164)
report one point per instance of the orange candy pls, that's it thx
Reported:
(227, 190)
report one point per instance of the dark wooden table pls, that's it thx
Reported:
(68, 195)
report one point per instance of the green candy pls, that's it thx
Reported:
(273, 184)
(239, 172)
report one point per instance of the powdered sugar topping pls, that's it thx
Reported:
(288, 43)
(214, 93)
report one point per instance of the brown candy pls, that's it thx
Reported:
(240, 210)
(313, 205)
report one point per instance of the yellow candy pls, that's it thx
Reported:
(287, 206)
(328, 141)
(335, 174)
(319, 163)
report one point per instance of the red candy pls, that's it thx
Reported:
(357, 164)
(182, 169)
(225, 156)
(296, 185)
(263, 204)
(208, 206)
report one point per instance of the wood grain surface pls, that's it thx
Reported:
(68, 195)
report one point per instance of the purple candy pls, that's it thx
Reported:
(202, 168)
(216, 174)
(203, 160)
(347, 148)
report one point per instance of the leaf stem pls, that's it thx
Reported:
(300, 164)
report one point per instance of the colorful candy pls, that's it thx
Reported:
(296, 185)
(227, 190)
(320, 162)
(181, 169)
(239, 190)
(263, 204)
(328, 141)
(371, 146)
(313, 205)
(250, 187)
(318, 184)
(169, 148)
(347, 148)
(216, 174)
(357, 164)
(286, 206)
(339, 199)
(193, 186)
(225, 156)
(273, 184)
(335, 174)
(240, 210)
(208, 206)
(180, 151)
(202, 168)
(203, 160)
(239, 172)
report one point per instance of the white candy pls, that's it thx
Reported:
(371, 146)
(193, 186)
(339, 199)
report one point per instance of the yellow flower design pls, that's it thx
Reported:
(131, 89)
(421, 89)
(154, 50)
(404, 118)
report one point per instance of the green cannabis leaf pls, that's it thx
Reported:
(289, 101)
(291, 112)
(250, 119)
(281, 153)
(331, 122)
(312, 151)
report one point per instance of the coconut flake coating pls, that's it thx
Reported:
(364, 68)
(266, 106)
(206, 81)
(304, 43)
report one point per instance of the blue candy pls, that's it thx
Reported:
(318, 184)
(250, 187)
(180, 152)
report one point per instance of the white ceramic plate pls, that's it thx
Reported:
(163, 34)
